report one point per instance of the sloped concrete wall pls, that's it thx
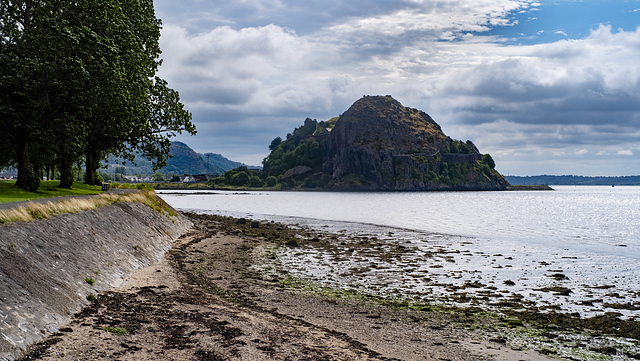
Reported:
(45, 265)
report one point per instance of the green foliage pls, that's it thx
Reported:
(271, 181)
(240, 177)
(33, 181)
(431, 177)
(89, 281)
(158, 177)
(460, 147)
(484, 169)
(144, 187)
(117, 330)
(420, 159)
(488, 160)
(452, 174)
(275, 143)
(299, 149)
(255, 181)
(78, 83)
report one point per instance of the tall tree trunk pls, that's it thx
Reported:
(91, 170)
(23, 164)
(37, 170)
(66, 171)
(52, 172)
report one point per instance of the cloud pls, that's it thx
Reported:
(261, 67)
(589, 86)
(252, 70)
(625, 152)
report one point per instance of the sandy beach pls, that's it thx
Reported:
(205, 301)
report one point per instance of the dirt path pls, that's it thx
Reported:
(204, 302)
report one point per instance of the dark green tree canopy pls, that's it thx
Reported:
(78, 82)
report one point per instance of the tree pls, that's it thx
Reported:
(39, 81)
(255, 181)
(488, 160)
(138, 112)
(275, 143)
(271, 181)
(158, 177)
(77, 80)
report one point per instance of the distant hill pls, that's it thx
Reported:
(573, 180)
(378, 144)
(184, 160)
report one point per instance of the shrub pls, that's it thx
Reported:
(240, 179)
(271, 181)
(255, 181)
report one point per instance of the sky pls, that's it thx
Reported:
(545, 87)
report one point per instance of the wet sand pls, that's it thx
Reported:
(205, 301)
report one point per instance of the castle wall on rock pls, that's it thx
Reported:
(46, 266)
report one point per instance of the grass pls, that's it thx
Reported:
(32, 211)
(10, 193)
(116, 330)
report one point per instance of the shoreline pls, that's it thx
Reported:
(206, 300)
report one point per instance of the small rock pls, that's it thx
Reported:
(255, 224)
(558, 276)
(242, 221)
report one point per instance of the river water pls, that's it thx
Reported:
(575, 249)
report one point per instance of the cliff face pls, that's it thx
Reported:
(378, 144)
(374, 136)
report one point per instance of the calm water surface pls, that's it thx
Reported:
(588, 237)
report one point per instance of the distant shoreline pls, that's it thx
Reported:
(537, 187)
(203, 187)
(571, 180)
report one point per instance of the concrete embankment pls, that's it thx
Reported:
(49, 268)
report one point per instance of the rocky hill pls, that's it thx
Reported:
(378, 144)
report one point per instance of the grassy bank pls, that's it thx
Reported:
(32, 211)
(48, 189)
